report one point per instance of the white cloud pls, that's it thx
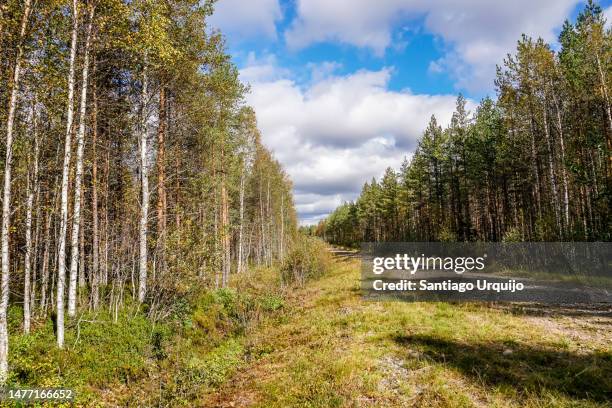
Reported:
(323, 70)
(340, 131)
(477, 33)
(259, 69)
(247, 18)
(608, 16)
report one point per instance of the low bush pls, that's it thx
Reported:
(308, 259)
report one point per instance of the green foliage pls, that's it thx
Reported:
(308, 259)
(218, 365)
(512, 235)
(446, 235)
(535, 160)
(99, 352)
(271, 302)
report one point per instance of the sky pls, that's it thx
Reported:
(343, 89)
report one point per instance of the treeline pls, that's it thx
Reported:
(534, 165)
(132, 169)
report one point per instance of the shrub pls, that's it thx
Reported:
(271, 302)
(513, 235)
(216, 366)
(447, 235)
(309, 258)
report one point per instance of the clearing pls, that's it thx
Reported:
(330, 348)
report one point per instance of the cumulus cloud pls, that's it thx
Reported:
(337, 132)
(260, 69)
(247, 18)
(476, 33)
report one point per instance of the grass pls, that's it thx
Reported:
(266, 344)
(132, 361)
(329, 348)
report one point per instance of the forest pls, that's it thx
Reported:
(535, 164)
(134, 172)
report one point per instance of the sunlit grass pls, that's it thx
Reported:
(334, 349)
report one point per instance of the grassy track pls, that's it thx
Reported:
(328, 348)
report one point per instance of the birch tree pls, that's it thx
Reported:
(61, 251)
(31, 188)
(6, 194)
(144, 186)
(76, 217)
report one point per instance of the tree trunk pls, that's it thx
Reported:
(604, 91)
(46, 254)
(551, 168)
(36, 251)
(563, 166)
(31, 188)
(104, 259)
(281, 251)
(81, 254)
(241, 226)
(534, 163)
(76, 219)
(95, 279)
(225, 234)
(269, 224)
(61, 260)
(6, 197)
(144, 179)
(161, 178)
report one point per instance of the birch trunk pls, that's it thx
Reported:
(269, 225)
(76, 219)
(31, 188)
(241, 226)
(6, 197)
(225, 234)
(95, 279)
(553, 178)
(161, 178)
(81, 254)
(262, 240)
(563, 167)
(144, 178)
(282, 228)
(36, 251)
(61, 260)
(534, 163)
(45, 259)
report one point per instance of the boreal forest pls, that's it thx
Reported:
(134, 172)
(533, 164)
(151, 253)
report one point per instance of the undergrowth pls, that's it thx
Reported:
(126, 357)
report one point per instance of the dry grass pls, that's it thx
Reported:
(332, 349)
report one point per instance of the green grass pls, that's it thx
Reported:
(332, 349)
(264, 344)
(132, 361)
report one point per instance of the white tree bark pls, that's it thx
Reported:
(6, 198)
(76, 219)
(95, 278)
(553, 178)
(61, 262)
(241, 227)
(144, 179)
(281, 251)
(31, 188)
(563, 166)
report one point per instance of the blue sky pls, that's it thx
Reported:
(344, 88)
